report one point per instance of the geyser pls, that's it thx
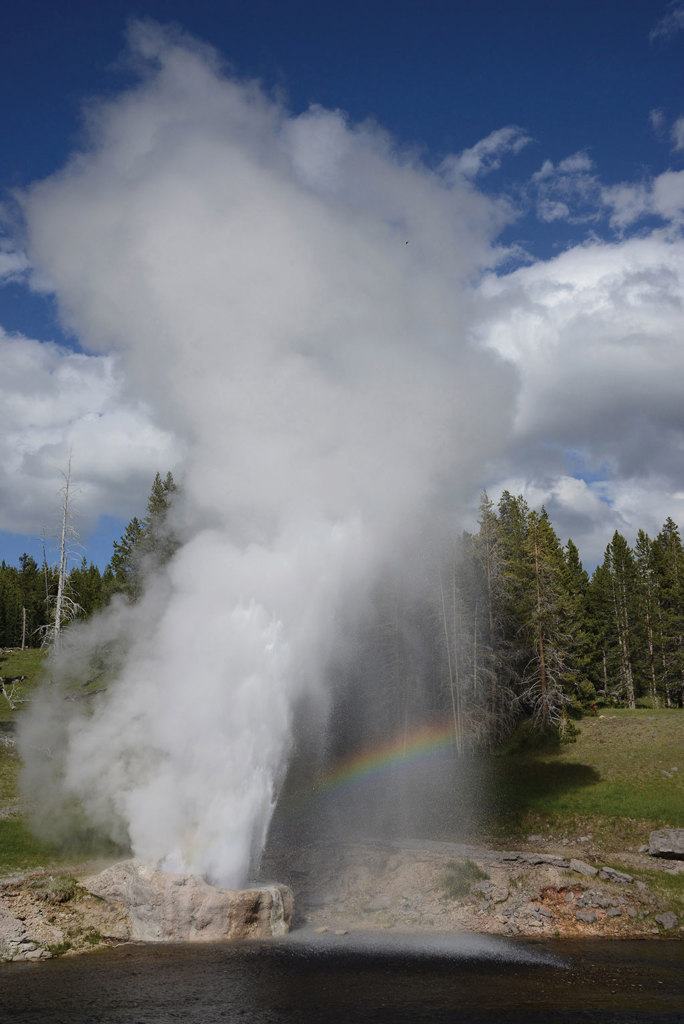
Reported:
(249, 268)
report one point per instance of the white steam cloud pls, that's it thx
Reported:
(288, 294)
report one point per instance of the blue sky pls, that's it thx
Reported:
(569, 116)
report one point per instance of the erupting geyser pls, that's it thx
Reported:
(250, 268)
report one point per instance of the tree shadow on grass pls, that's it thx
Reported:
(519, 787)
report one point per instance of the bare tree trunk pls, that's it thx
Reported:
(61, 580)
(450, 666)
(542, 662)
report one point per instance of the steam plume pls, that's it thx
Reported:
(252, 270)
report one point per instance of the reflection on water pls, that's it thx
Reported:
(352, 979)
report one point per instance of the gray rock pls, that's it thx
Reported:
(184, 908)
(614, 912)
(596, 898)
(666, 921)
(544, 858)
(587, 916)
(498, 894)
(631, 911)
(643, 848)
(582, 869)
(667, 842)
(611, 875)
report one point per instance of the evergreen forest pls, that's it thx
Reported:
(515, 627)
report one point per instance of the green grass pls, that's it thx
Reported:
(460, 877)
(625, 771)
(669, 887)
(29, 663)
(21, 850)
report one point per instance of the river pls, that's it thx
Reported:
(352, 979)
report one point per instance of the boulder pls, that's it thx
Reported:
(611, 875)
(582, 868)
(667, 842)
(184, 908)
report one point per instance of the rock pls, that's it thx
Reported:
(181, 908)
(12, 930)
(611, 875)
(666, 921)
(614, 912)
(596, 898)
(498, 894)
(582, 869)
(667, 842)
(586, 916)
(643, 848)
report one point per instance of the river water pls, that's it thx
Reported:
(352, 979)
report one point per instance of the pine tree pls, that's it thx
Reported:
(616, 588)
(648, 605)
(146, 545)
(548, 677)
(668, 564)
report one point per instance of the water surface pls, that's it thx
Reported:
(352, 979)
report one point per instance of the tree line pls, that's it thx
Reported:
(29, 593)
(528, 632)
(513, 627)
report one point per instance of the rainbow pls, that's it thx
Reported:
(421, 743)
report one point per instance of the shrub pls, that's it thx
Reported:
(460, 878)
(55, 888)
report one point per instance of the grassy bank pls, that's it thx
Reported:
(622, 777)
(19, 849)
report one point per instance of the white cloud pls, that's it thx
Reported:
(595, 335)
(657, 120)
(13, 265)
(487, 154)
(662, 197)
(671, 23)
(567, 190)
(53, 400)
(677, 133)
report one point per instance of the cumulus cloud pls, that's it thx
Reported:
(595, 335)
(54, 400)
(250, 269)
